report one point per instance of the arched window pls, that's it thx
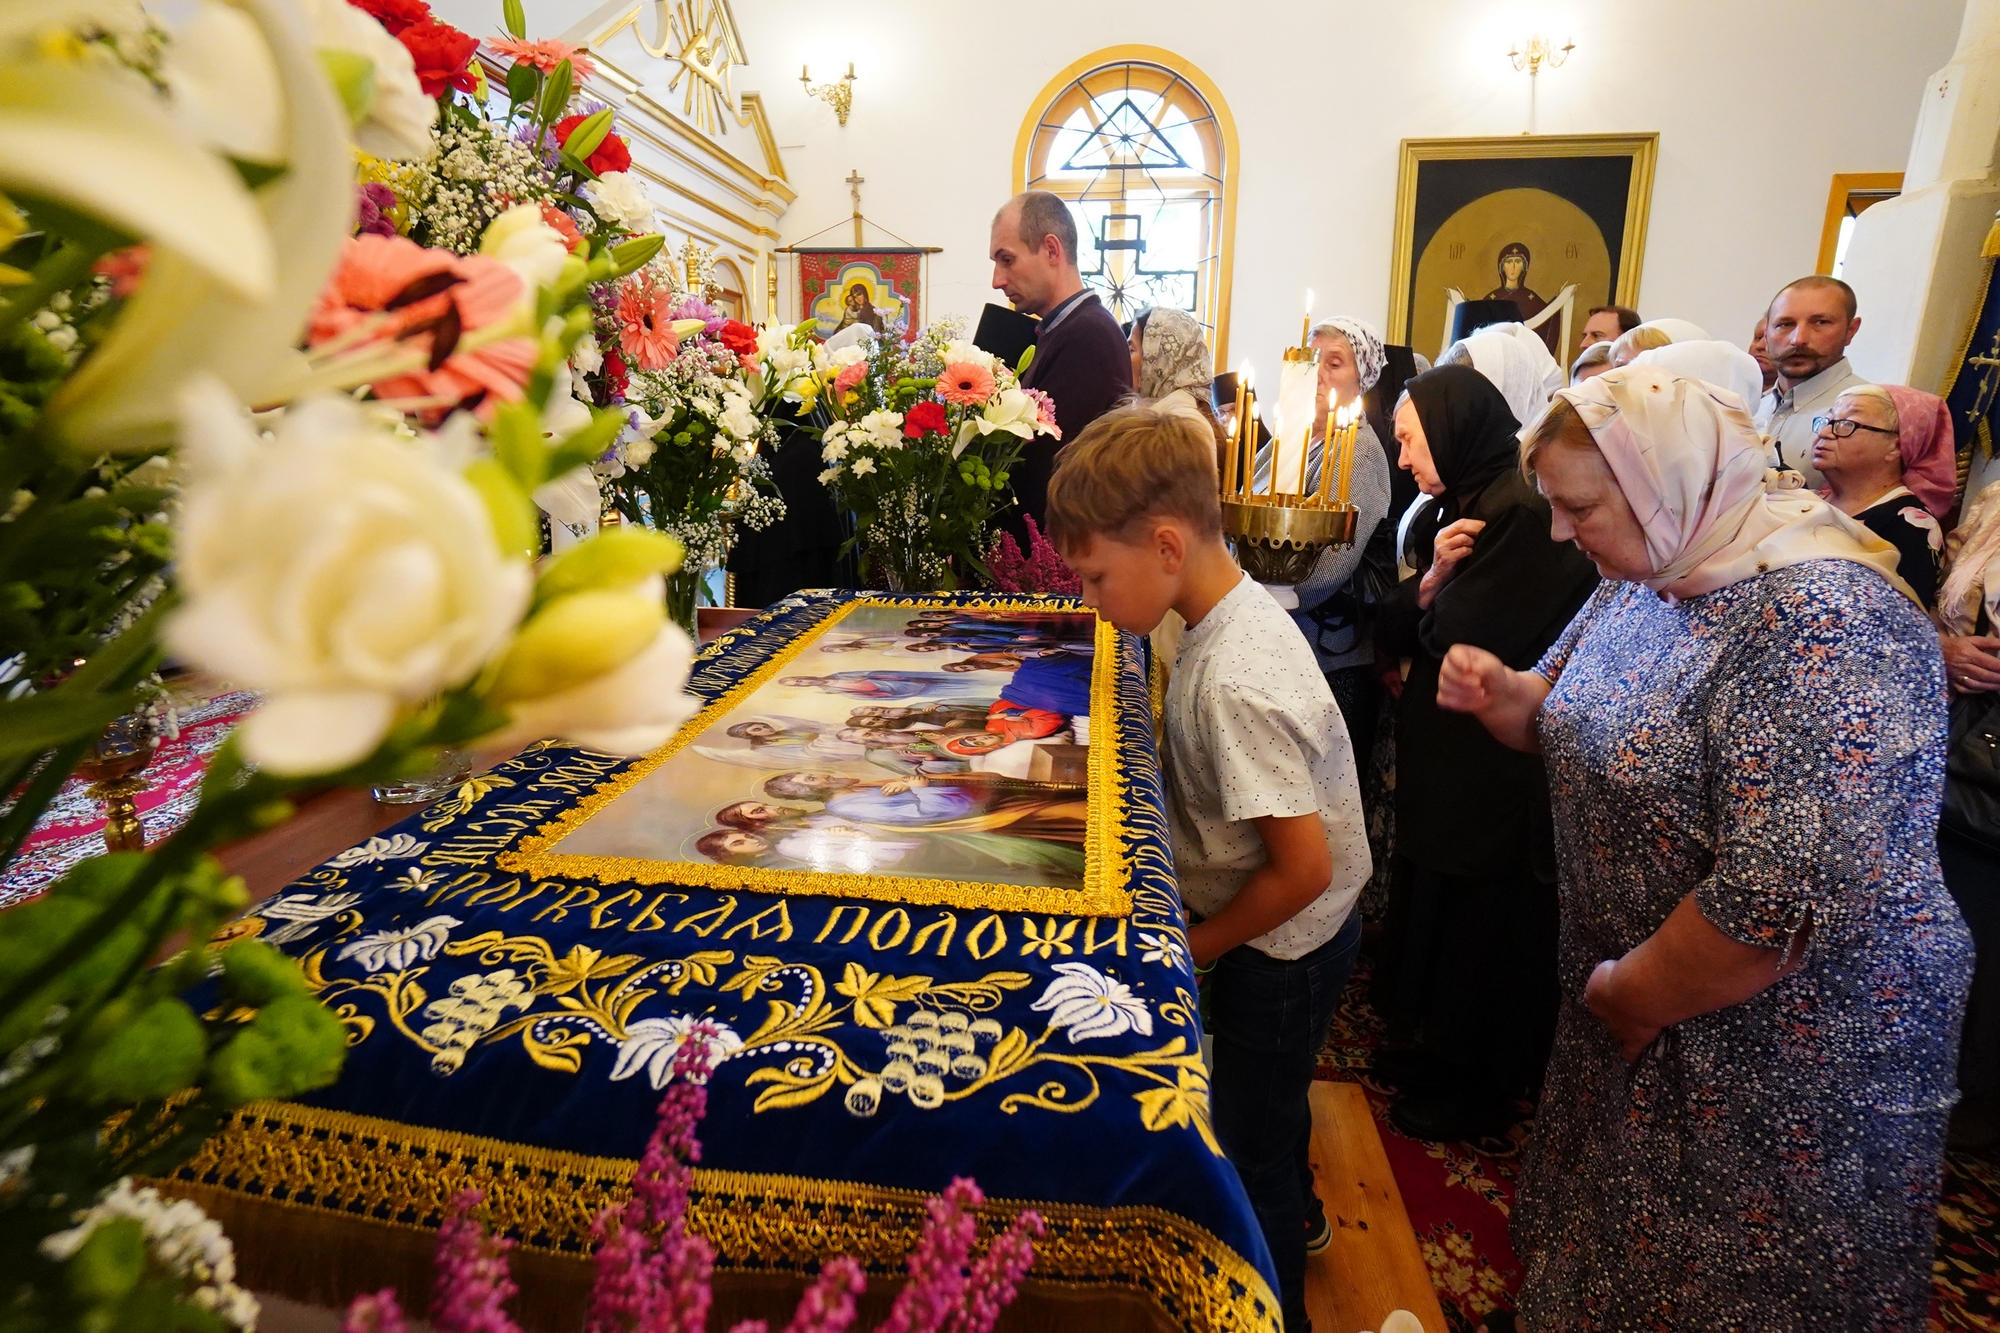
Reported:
(1141, 144)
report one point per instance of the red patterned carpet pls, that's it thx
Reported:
(1459, 1196)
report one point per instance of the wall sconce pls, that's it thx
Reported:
(1529, 57)
(839, 96)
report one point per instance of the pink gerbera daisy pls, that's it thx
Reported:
(964, 384)
(545, 55)
(646, 325)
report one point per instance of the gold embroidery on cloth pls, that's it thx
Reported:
(403, 1176)
(1106, 872)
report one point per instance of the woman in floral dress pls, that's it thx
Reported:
(1743, 1122)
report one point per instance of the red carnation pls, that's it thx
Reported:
(616, 377)
(441, 53)
(395, 15)
(738, 338)
(925, 418)
(611, 155)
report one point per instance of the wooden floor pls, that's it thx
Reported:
(1373, 1266)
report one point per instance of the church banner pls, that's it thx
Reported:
(1553, 224)
(908, 873)
(880, 288)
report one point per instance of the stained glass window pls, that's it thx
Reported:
(1139, 152)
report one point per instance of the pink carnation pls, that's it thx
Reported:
(850, 376)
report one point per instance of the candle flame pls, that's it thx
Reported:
(1244, 371)
(1309, 300)
(1348, 415)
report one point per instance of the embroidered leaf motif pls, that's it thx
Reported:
(875, 995)
(755, 976)
(1009, 1054)
(583, 963)
(699, 968)
(1184, 1104)
(790, 1089)
(984, 994)
(562, 1052)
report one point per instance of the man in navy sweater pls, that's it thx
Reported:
(1082, 361)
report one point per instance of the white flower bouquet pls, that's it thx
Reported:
(918, 441)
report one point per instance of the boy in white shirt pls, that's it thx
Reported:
(1269, 842)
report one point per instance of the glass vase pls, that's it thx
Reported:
(683, 592)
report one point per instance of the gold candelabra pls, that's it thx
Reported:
(1279, 533)
(1537, 51)
(839, 96)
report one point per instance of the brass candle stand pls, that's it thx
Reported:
(1279, 534)
(112, 768)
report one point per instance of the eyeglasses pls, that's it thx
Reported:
(1840, 427)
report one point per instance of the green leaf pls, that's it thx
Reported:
(585, 138)
(513, 513)
(584, 447)
(633, 255)
(520, 84)
(109, 1263)
(555, 93)
(516, 21)
(41, 722)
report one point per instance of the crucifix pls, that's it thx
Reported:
(855, 180)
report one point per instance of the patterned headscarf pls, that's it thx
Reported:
(1692, 467)
(1173, 355)
(1924, 437)
(1369, 357)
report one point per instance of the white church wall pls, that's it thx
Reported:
(1757, 106)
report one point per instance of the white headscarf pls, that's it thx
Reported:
(1693, 469)
(1365, 342)
(1718, 364)
(1516, 359)
(1680, 331)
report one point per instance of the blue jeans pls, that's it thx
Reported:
(1269, 1017)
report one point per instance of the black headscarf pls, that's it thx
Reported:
(1472, 433)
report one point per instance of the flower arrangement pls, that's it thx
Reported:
(652, 1274)
(701, 396)
(1042, 569)
(178, 246)
(918, 440)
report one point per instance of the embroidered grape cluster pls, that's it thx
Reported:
(922, 1051)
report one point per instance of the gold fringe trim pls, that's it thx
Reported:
(1991, 249)
(1105, 868)
(338, 1166)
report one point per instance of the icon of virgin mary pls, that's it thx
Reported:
(1514, 262)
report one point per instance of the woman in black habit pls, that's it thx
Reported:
(1468, 968)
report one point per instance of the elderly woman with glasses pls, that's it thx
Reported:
(1743, 1122)
(1886, 456)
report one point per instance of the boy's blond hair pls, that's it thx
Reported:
(1130, 465)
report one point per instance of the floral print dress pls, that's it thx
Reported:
(1775, 748)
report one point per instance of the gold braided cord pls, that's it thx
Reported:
(1983, 435)
(403, 1176)
(1105, 868)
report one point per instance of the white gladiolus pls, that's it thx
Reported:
(620, 198)
(342, 571)
(213, 301)
(397, 121)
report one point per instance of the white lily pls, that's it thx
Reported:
(97, 140)
(396, 118)
(225, 89)
(218, 303)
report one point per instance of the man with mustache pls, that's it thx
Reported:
(1807, 331)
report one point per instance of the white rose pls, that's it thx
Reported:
(523, 242)
(397, 121)
(343, 572)
(620, 198)
(628, 710)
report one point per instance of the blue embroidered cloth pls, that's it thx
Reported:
(878, 1035)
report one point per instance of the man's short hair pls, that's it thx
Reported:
(1045, 214)
(1628, 318)
(1821, 282)
(1130, 465)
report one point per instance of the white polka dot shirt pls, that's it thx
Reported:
(1252, 730)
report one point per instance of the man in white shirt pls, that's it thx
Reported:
(1807, 330)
